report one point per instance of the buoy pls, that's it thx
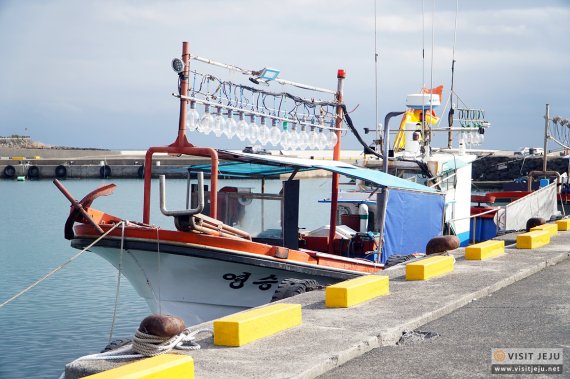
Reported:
(442, 244)
(534, 221)
(162, 325)
(21, 178)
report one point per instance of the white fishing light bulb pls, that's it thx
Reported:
(231, 125)
(219, 123)
(206, 122)
(285, 136)
(314, 138)
(264, 132)
(242, 128)
(293, 137)
(323, 140)
(253, 134)
(303, 138)
(193, 118)
(332, 138)
(274, 133)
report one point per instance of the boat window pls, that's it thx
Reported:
(256, 213)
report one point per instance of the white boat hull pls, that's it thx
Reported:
(199, 288)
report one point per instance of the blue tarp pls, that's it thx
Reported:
(412, 219)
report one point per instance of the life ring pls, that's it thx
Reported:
(105, 171)
(33, 172)
(141, 172)
(60, 172)
(9, 172)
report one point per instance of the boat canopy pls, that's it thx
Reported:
(238, 164)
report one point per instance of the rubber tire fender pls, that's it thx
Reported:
(9, 172)
(60, 172)
(33, 172)
(292, 287)
(105, 171)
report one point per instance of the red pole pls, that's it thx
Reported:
(341, 75)
(182, 146)
(184, 92)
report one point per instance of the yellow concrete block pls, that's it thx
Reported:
(485, 250)
(348, 293)
(166, 366)
(550, 228)
(245, 327)
(533, 239)
(429, 267)
(563, 224)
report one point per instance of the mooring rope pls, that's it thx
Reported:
(118, 289)
(150, 345)
(59, 267)
(146, 345)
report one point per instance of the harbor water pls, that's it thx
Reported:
(71, 313)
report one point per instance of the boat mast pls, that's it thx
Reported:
(341, 75)
(545, 152)
(376, 80)
(451, 111)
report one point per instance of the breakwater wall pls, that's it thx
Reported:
(97, 164)
(81, 163)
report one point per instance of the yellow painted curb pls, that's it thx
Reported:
(533, 239)
(166, 366)
(429, 267)
(550, 228)
(245, 327)
(485, 250)
(563, 224)
(355, 291)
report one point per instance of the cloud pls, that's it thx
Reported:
(106, 63)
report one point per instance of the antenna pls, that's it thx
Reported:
(451, 110)
(376, 77)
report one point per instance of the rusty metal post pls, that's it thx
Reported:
(341, 75)
(184, 92)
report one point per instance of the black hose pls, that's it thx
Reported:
(422, 165)
(367, 148)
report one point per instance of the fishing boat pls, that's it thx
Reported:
(412, 157)
(233, 248)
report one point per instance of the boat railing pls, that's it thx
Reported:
(185, 212)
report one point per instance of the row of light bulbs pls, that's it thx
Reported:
(285, 136)
(472, 137)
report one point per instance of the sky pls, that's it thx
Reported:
(97, 73)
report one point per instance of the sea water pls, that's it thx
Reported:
(71, 313)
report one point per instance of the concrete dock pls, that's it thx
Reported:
(329, 337)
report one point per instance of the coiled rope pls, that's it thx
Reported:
(146, 345)
(150, 346)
